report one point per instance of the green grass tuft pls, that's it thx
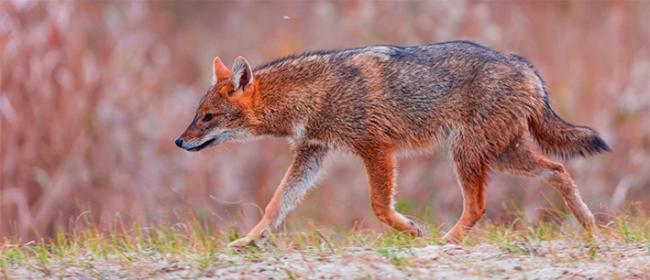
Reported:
(206, 247)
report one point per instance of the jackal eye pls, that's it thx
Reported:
(208, 117)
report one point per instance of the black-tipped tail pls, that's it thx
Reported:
(557, 137)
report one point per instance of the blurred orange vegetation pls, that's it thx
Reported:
(92, 95)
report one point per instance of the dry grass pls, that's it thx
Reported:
(196, 249)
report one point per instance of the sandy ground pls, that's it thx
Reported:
(553, 260)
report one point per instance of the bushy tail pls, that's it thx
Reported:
(557, 137)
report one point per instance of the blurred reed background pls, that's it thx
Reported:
(92, 95)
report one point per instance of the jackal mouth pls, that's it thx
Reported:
(202, 146)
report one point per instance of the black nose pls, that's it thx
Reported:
(179, 142)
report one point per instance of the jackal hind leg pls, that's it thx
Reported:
(380, 165)
(471, 171)
(522, 158)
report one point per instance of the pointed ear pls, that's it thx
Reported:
(242, 75)
(219, 70)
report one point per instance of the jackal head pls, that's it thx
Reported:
(224, 114)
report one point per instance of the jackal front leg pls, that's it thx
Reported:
(296, 182)
(380, 165)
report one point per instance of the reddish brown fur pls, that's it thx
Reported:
(380, 100)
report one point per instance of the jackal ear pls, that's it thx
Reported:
(242, 75)
(219, 70)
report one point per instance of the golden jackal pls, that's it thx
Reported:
(378, 101)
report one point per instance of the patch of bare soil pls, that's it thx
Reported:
(546, 260)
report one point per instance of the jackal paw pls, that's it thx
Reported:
(450, 238)
(247, 242)
(417, 231)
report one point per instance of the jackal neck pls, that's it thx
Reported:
(287, 94)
